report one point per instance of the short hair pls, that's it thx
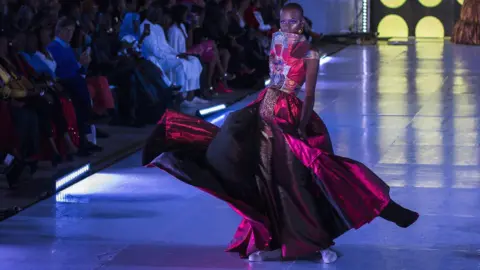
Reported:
(155, 10)
(177, 12)
(63, 23)
(197, 9)
(291, 6)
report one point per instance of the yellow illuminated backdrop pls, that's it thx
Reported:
(419, 18)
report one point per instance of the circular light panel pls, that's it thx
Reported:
(393, 3)
(430, 27)
(392, 26)
(460, 2)
(430, 3)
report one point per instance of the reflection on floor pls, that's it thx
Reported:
(411, 113)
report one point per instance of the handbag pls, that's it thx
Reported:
(12, 86)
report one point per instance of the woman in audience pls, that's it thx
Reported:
(119, 10)
(104, 61)
(131, 21)
(249, 61)
(46, 104)
(43, 72)
(254, 19)
(185, 41)
(21, 120)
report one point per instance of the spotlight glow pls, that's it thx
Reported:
(267, 82)
(325, 59)
(218, 119)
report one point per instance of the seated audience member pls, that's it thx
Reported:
(144, 91)
(186, 69)
(131, 21)
(119, 8)
(18, 119)
(25, 15)
(104, 60)
(184, 41)
(254, 18)
(72, 77)
(42, 73)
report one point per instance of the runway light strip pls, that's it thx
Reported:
(218, 119)
(69, 178)
(212, 109)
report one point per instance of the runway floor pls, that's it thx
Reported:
(411, 113)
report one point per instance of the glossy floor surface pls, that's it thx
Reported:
(411, 113)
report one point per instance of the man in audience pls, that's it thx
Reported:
(71, 75)
(186, 69)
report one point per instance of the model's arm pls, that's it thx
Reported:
(311, 64)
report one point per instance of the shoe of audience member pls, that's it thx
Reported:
(188, 104)
(83, 152)
(13, 173)
(175, 88)
(198, 100)
(93, 147)
(101, 134)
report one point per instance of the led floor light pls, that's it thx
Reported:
(68, 179)
(209, 110)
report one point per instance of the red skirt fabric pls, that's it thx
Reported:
(101, 94)
(293, 193)
(71, 119)
(206, 50)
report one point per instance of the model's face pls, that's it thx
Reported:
(291, 21)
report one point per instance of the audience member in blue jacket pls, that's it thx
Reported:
(70, 72)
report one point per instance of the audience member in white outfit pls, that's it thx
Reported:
(185, 70)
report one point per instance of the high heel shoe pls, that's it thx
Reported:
(221, 88)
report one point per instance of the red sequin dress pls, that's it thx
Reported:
(293, 193)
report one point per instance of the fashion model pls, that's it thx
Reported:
(273, 162)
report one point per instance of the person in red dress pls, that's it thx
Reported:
(273, 162)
